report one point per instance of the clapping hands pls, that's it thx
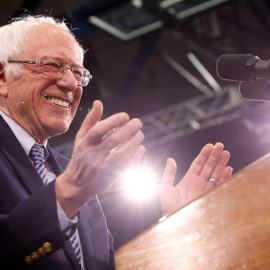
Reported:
(210, 163)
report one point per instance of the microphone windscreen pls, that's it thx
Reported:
(233, 67)
(255, 90)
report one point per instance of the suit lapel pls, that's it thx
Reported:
(19, 160)
(53, 160)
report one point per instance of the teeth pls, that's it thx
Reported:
(59, 102)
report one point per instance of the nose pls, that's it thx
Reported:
(68, 80)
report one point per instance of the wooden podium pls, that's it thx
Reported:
(228, 228)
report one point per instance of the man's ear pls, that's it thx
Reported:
(3, 81)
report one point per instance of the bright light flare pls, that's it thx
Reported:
(140, 184)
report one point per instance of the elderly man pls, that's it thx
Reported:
(50, 217)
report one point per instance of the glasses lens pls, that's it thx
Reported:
(53, 68)
(82, 75)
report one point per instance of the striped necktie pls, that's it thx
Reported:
(38, 155)
(75, 244)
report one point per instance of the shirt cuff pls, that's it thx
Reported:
(65, 223)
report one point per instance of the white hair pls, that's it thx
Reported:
(12, 39)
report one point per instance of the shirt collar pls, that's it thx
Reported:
(22, 136)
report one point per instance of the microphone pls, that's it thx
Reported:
(252, 73)
(257, 90)
(242, 67)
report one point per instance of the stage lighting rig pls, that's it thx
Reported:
(181, 9)
(129, 20)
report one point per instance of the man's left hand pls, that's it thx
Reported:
(210, 163)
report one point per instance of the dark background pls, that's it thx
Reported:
(147, 77)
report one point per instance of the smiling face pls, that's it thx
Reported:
(44, 106)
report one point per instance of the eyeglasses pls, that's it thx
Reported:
(56, 69)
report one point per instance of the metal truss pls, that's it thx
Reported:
(200, 113)
(203, 112)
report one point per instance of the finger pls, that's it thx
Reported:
(134, 159)
(91, 119)
(116, 167)
(222, 163)
(199, 162)
(128, 148)
(212, 161)
(123, 135)
(99, 131)
(227, 173)
(169, 173)
(136, 156)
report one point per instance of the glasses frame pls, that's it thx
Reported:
(65, 67)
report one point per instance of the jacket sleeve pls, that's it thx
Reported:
(31, 230)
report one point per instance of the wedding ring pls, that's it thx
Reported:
(213, 180)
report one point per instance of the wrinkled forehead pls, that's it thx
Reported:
(48, 38)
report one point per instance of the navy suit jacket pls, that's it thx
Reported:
(28, 216)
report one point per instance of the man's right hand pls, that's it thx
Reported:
(103, 150)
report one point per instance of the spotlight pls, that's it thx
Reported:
(140, 184)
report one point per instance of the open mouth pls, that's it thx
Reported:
(58, 102)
